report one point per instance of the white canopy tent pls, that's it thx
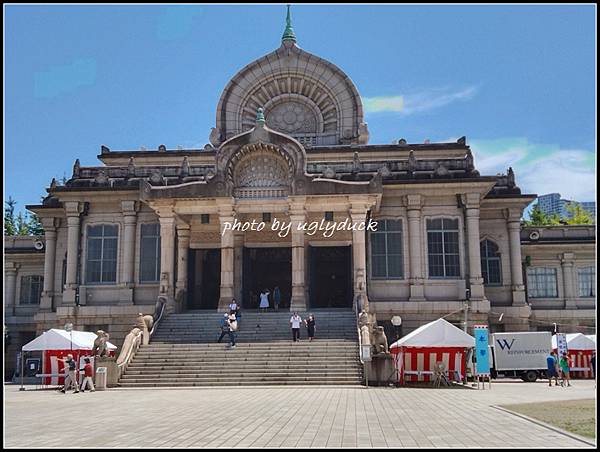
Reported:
(592, 337)
(439, 333)
(55, 339)
(577, 341)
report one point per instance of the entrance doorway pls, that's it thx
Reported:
(330, 277)
(265, 268)
(204, 278)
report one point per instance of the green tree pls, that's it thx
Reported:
(21, 225)
(35, 225)
(9, 217)
(537, 217)
(578, 215)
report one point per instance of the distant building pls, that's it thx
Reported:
(553, 204)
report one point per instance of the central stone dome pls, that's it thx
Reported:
(302, 95)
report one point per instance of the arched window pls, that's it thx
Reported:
(491, 263)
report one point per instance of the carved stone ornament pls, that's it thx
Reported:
(292, 117)
(76, 169)
(329, 173)
(185, 167)
(385, 171)
(131, 167)
(441, 171)
(101, 178)
(156, 177)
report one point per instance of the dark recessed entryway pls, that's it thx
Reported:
(265, 268)
(204, 279)
(330, 276)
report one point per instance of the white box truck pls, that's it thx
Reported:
(520, 355)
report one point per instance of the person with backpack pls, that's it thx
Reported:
(226, 329)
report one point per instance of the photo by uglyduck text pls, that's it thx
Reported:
(283, 228)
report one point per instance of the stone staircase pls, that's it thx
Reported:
(184, 352)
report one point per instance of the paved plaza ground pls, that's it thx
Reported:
(286, 417)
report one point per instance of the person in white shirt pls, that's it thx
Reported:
(264, 300)
(295, 323)
(233, 307)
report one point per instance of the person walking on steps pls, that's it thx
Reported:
(295, 322)
(276, 297)
(310, 327)
(264, 300)
(226, 330)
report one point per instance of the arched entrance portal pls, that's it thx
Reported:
(265, 268)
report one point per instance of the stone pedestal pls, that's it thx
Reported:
(112, 371)
(383, 373)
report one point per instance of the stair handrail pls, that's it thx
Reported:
(356, 317)
(130, 347)
(159, 310)
(135, 338)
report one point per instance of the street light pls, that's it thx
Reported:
(69, 329)
(397, 321)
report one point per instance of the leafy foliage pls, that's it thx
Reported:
(28, 224)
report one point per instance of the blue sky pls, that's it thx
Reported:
(518, 81)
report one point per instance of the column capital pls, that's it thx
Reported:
(513, 215)
(471, 200)
(130, 207)
(50, 223)
(183, 232)
(414, 202)
(567, 259)
(74, 208)
(12, 267)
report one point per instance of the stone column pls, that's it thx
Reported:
(516, 270)
(129, 209)
(10, 289)
(358, 215)
(298, 216)
(569, 289)
(415, 248)
(167, 258)
(183, 246)
(73, 211)
(226, 216)
(50, 225)
(238, 255)
(472, 219)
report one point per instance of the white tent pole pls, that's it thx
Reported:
(22, 388)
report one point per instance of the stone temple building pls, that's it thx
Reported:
(290, 145)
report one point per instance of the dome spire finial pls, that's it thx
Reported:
(288, 34)
(260, 117)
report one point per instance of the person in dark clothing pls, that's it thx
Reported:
(226, 329)
(593, 363)
(310, 326)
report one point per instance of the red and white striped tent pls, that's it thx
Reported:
(580, 349)
(56, 344)
(416, 353)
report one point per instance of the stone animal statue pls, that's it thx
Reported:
(145, 323)
(363, 319)
(380, 342)
(100, 347)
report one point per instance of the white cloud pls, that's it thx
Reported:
(418, 102)
(539, 168)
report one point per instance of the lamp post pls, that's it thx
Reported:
(69, 329)
(397, 322)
